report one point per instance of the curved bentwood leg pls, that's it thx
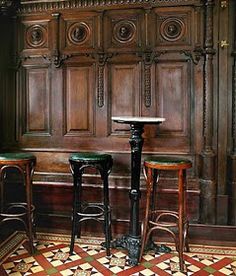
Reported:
(152, 179)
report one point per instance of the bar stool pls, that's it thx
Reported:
(83, 211)
(18, 211)
(155, 219)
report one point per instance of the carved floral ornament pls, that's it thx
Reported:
(36, 36)
(124, 31)
(172, 29)
(79, 33)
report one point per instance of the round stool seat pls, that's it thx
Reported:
(82, 210)
(22, 212)
(90, 157)
(14, 157)
(174, 222)
(167, 163)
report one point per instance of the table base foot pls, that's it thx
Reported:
(132, 244)
(157, 248)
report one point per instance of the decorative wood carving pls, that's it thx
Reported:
(148, 58)
(174, 27)
(27, 7)
(123, 33)
(36, 36)
(195, 55)
(207, 181)
(102, 60)
(79, 33)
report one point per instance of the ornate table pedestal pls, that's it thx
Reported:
(132, 241)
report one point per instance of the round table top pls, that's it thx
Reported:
(137, 119)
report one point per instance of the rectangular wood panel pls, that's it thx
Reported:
(79, 100)
(173, 97)
(125, 92)
(37, 101)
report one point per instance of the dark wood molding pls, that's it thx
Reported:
(232, 166)
(207, 181)
(28, 6)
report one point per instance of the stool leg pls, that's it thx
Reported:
(185, 214)
(107, 216)
(28, 188)
(181, 219)
(1, 188)
(155, 178)
(77, 177)
(149, 185)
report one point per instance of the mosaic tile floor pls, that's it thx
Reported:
(52, 258)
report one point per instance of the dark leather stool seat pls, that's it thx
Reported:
(83, 211)
(18, 211)
(174, 222)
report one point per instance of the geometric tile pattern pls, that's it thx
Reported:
(51, 257)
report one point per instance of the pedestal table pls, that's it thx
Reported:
(132, 241)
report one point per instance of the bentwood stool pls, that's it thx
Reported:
(174, 222)
(21, 212)
(84, 211)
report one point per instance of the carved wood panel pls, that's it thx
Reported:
(124, 92)
(80, 32)
(36, 35)
(79, 100)
(175, 27)
(124, 31)
(37, 102)
(173, 98)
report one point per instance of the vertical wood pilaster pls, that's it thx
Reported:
(207, 180)
(232, 166)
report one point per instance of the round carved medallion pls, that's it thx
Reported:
(124, 31)
(36, 36)
(79, 33)
(172, 29)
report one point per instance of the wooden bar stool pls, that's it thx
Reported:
(174, 222)
(18, 211)
(83, 211)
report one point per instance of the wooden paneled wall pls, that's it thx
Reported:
(80, 63)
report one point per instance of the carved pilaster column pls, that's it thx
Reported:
(102, 60)
(207, 181)
(232, 166)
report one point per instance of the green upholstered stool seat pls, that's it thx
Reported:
(84, 211)
(16, 156)
(90, 156)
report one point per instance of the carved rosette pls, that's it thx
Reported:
(124, 31)
(79, 33)
(36, 36)
(172, 29)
